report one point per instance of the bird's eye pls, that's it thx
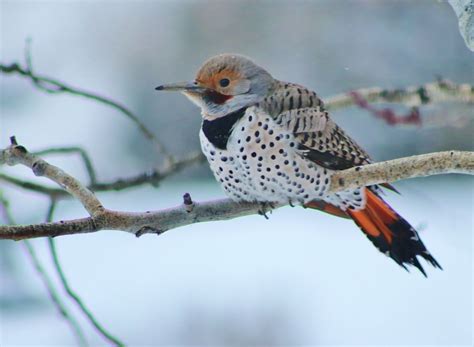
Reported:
(224, 82)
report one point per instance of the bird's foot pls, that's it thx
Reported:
(265, 207)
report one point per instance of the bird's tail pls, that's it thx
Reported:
(390, 233)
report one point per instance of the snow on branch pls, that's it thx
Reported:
(191, 212)
(464, 10)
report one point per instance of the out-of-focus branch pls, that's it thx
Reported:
(54, 86)
(68, 150)
(413, 96)
(55, 298)
(68, 289)
(464, 10)
(153, 177)
(192, 212)
(54, 295)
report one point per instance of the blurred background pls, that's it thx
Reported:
(300, 278)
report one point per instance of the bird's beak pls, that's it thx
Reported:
(181, 87)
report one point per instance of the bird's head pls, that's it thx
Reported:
(224, 84)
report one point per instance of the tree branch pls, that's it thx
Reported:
(16, 154)
(448, 162)
(153, 177)
(68, 150)
(47, 281)
(162, 220)
(434, 92)
(70, 292)
(464, 10)
(54, 86)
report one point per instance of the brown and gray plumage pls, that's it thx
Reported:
(269, 141)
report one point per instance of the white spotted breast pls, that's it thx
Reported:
(261, 163)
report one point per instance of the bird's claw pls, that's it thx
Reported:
(265, 207)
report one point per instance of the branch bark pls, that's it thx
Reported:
(16, 154)
(434, 92)
(160, 221)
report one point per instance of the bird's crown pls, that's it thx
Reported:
(230, 74)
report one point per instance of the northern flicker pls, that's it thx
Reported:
(270, 141)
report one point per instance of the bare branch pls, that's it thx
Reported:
(67, 150)
(35, 187)
(153, 177)
(434, 92)
(16, 154)
(439, 163)
(70, 292)
(54, 86)
(163, 220)
(54, 295)
(464, 10)
(55, 298)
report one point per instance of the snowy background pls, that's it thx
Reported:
(300, 278)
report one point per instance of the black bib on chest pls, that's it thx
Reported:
(218, 131)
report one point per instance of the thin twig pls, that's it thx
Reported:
(54, 295)
(153, 177)
(65, 283)
(19, 155)
(434, 92)
(82, 153)
(54, 86)
(32, 186)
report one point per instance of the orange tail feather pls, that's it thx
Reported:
(326, 207)
(390, 233)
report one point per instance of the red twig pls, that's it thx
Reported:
(387, 114)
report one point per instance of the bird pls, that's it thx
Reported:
(273, 142)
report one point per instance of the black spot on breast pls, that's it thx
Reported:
(219, 130)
